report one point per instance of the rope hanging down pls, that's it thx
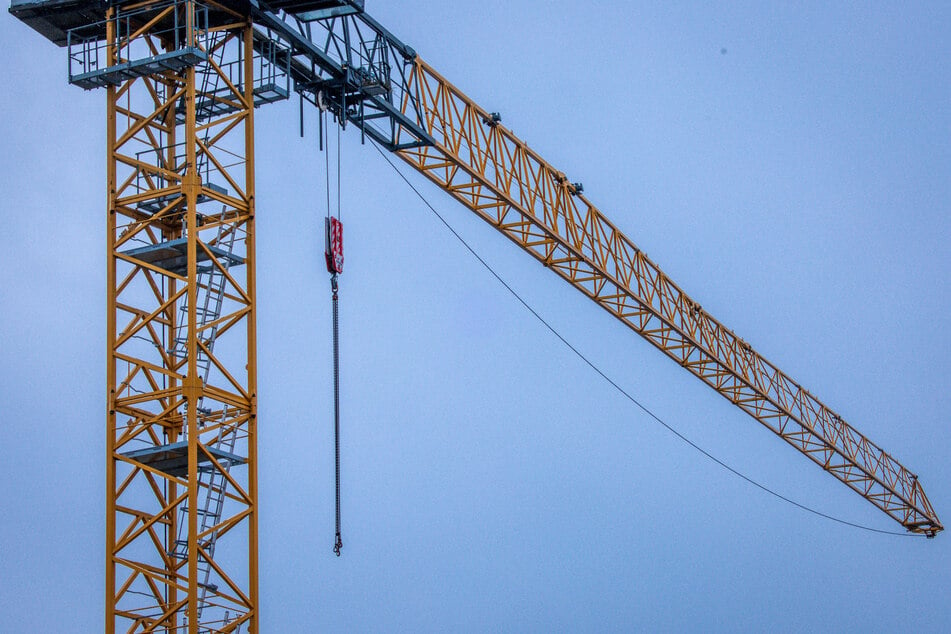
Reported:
(334, 255)
(611, 381)
(338, 543)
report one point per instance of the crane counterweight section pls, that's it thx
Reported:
(53, 19)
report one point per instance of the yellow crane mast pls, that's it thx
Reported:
(182, 79)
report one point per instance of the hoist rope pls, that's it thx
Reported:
(326, 150)
(615, 385)
(338, 176)
(338, 543)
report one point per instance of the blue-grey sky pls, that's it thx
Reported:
(788, 165)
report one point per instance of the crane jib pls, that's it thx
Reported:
(467, 152)
(493, 173)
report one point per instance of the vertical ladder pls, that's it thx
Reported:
(211, 283)
(212, 484)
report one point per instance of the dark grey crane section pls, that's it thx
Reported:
(338, 57)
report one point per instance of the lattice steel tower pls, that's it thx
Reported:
(182, 78)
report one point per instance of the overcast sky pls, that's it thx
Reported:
(788, 166)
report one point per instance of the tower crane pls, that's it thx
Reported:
(182, 80)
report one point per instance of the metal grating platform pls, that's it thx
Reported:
(208, 107)
(115, 75)
(172, 256)
(308, 10)
(269, 93)
(173, 459)
(155, 205)
(53, 19)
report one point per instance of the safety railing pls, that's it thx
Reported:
(163, 36)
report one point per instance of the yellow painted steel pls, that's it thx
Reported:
(181, 167)
(180, 171)
(489, 170)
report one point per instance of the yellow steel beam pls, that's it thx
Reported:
(161, 143)
(488, 169)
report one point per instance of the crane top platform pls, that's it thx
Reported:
(53, 19)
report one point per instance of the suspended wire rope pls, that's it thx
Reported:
(613, 383)
(338, 175)
(326, 150)
(338, 542)
(334, 270)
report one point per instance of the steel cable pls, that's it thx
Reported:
(617, 387)
(338, 543)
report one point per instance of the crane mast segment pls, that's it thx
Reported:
(183, 78)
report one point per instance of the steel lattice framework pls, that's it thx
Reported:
(181, 516)
(405, 105)
(489, 170)
(182, 79)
